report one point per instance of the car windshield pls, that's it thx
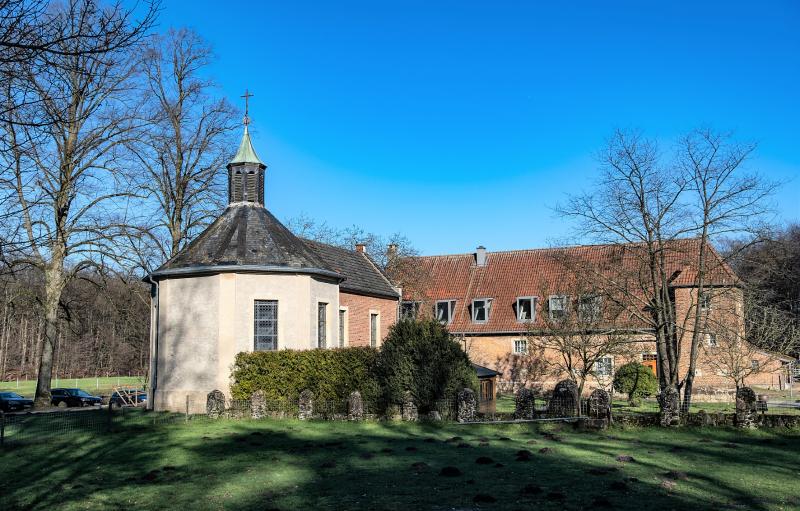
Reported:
(79, 393)
(10, 395)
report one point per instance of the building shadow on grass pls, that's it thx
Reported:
(262, 465)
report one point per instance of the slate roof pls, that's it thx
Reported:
(362, 275)
(246, 237)
(540, 273)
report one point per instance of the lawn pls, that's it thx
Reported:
(100, 385)
(268, 464)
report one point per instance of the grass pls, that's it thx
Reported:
(268, 464)
(101, 385)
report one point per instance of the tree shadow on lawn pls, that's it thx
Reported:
(328, 465)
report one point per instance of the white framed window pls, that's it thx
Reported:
(342, 327)
(521, 347)
(754, 365)
(526, 309)
(604, 366)
(444, 310)
(481, 309)
(589, 308)
(265, 325)
(711, 339)
(409, 309)
(557, 306)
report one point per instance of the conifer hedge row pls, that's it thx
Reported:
(330, 373)
(416, 356)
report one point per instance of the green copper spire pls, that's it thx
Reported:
(246, 153)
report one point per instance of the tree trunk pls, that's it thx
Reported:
(53, 288)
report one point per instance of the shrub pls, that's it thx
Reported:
(330, 373)
(636, 380)
(420, 356)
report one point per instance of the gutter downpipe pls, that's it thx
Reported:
(155, 309)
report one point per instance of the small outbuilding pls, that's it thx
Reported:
(487, 399)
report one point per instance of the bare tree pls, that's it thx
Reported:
(770, 264)
(524, 369)
(183, 144)
(39, 34)
(580, 326)
(649, 203)
(739, 354)
(388, 252)
(724, 199)
(69, 182)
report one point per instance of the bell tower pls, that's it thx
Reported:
(246, 170)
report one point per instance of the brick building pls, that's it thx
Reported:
(502, 305)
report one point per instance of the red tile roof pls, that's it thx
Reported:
(541, 273)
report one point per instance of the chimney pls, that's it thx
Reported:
(361, 248)
(480, 256)
(391, 251)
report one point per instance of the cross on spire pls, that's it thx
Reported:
(246, 97)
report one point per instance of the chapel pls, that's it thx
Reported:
(247, 283)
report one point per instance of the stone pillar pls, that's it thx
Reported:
(215, 404)
(466, 406)
(600, 405)
(258, 405)
(355, 406)
(669, 400)
(306, 405)
(565, 401)
(746, 412)
(410, 412)
(524, 404)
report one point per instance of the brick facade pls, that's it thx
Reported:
(359, 309)
(497, 352)
(502, 278)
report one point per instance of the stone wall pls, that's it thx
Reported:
(709, 420)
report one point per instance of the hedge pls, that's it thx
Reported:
(330, 373)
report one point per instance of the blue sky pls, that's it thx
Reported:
(460, 123)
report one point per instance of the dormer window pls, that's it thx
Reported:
(526, 309)
(557, 306)
(480, 310)
(444, 311)
(589, 308)
(409, 309)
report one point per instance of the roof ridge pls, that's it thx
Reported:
(544, 249)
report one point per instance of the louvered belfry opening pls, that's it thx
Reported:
(246, 174)
(246, 183)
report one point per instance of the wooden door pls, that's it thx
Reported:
(650, 361)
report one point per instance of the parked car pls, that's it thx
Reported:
(73, 397)
(128, 397)
(13, 402)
